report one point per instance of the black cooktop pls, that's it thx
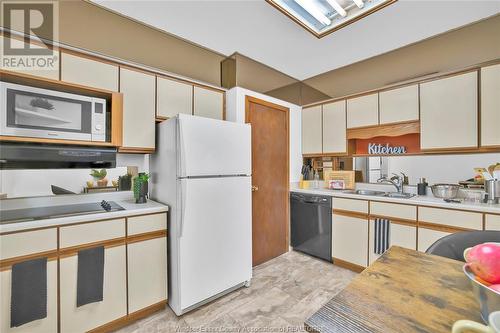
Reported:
(50, 212)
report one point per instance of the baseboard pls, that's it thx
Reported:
(130, 318)
(348, 265)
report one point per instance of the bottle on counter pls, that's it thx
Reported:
(316, 180)
(422, 187)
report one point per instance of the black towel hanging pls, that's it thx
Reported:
(28, 300)
(381, 236)
(90, 277)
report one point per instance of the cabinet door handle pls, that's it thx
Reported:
(255, 188)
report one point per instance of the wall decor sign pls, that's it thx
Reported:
(385, 149)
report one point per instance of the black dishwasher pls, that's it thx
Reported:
(311, 224)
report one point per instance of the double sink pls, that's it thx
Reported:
(381, 194)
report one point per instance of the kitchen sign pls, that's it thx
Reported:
(385, 149)
(387, 145)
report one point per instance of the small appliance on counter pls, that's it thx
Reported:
(422, 187)
(492, 189)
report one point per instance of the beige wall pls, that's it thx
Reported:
(467, 46)
(298, 93)
(85, 25)
(88, 26)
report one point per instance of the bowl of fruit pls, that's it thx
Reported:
(483, 270)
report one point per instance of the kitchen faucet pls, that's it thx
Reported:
(396, 180)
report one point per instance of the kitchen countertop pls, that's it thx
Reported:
(124, 199)
(420, 200)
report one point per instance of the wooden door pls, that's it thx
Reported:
(270, 169)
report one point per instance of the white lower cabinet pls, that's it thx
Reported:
(45, 325)
(427, 237)
(135, 265)
(350, 239)
(19, 245)
(114, 304)
(492, 222)
(399, 235)
(147, 273)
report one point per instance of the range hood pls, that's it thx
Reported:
(41, 156)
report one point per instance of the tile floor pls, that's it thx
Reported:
(284, 293)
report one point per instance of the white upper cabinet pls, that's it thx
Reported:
(311, 130)
(208, 103)
(52, 74)
(490, 106)
(448, 112)
(362, 111)
(334, 127)
(88, 72)
(173, 97)
(399, 105)
(138, 90)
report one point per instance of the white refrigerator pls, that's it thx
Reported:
(202, 170)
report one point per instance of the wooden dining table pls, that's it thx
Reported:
(404, 291)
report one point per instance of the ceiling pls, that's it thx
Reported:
(256, 29)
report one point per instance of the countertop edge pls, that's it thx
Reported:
(416, 201)
(153, 208)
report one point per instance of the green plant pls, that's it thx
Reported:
(143, 177)
(98, 174)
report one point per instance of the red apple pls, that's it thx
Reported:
(495, 287)
(484, 261)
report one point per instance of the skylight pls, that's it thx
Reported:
(322, 17)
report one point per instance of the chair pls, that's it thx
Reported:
(453, 246)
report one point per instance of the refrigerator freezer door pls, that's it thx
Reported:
(210, 147)
(215, 244)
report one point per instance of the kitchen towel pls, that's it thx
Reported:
(90, 276)
(28, 298)
(382, 235)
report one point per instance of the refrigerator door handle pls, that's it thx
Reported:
(183, 206)
(181, 149)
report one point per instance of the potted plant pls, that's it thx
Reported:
(141, 187)
(100, 177)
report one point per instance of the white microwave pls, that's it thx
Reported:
(41, 113)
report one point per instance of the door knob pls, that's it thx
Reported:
(255, 188)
